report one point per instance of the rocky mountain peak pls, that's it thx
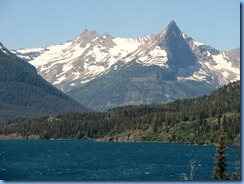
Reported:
(179, 52)
(106, 40)
(169, 56)
(172, 23)
(104, 35)
(172, 28)
(85, 37)
(89, 32)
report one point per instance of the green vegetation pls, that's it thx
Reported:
(23, 93)
(137, 84)
(192, 121)
(219, 172)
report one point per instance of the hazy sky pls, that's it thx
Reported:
(39, 23)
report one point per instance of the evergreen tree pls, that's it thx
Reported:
(219, 172)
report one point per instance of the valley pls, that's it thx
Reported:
(117, 91)
(164, 87)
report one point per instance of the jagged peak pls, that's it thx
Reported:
(172, 28)
(104, 35)
(89, 32)
(172, 23)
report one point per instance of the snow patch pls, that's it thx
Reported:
(223, 63)
(157, 56)
(197, 43)
(86, 58)
(59, 80)
(184, 36)
(85, 81)
(97, 53)
(3, 50)
(124, 46)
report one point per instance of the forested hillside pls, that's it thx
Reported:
(23, 93)
(193, 121)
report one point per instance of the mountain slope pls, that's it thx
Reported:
(77, 62)
(23, 93)
(175, 66)
(133, 83)
(178, 51)
(192, 121)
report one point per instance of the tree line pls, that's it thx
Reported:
(192, 121)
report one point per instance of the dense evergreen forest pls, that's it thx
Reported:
(191, 121)
(23, 93)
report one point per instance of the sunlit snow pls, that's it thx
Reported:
(220, 66)
(197, 43)
(157, 56)
(60, 79)
(2, 49)
(83, 59)
(222, 63)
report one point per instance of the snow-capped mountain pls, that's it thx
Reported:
(72, 66)
(77, 62)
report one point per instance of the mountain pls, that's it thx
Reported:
(102, 71)
(23, 93)
(191, 121)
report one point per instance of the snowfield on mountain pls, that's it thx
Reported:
(77, 65)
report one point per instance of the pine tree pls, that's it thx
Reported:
(219, 172)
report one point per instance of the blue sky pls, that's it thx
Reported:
(39, 23)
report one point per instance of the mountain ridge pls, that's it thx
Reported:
(23, 93)
(181, 59)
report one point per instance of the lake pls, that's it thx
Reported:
(104, 161)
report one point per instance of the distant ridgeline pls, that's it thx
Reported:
(102, 71)
(192, 121)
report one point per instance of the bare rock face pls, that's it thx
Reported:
(178, 51)
(102, 71)
(133, 137)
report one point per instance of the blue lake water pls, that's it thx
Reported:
(91, 161)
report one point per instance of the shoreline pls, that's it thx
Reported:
(35, 138)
